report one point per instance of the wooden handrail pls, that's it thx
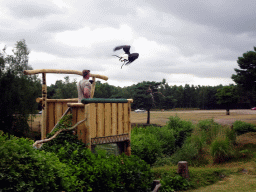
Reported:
(36, 71)
(39, 99)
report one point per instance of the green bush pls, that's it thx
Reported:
(172, 184)
(164, 136)
(182, 129)
(230, 134)
(163, 160)
(221, 149)
(188, 152)
(210, 129)
(23, 168)
(145, 146)
(241, 127)
(101, 171)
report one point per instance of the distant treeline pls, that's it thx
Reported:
(166, 97)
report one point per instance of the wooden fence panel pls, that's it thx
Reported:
(87, 125)
(58, 112)
(93, 120)
(126, 118)
(81, 128)
(120, 119)
(107, 119)
(50, 117)
(100, 120)
(114, 118)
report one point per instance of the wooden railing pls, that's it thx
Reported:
(105, 122)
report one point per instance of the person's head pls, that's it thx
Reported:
(86, 74)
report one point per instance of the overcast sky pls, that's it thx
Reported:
(186, 42)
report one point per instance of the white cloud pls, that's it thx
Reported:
(87, 37)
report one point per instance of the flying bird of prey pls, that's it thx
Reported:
(126, 57)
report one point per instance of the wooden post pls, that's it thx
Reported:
(93, 86)
(44, 106)
(183, 169)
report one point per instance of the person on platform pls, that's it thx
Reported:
(84, 86)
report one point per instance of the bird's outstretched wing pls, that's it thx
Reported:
(126, 48)
(133, 57)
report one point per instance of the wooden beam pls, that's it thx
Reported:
(36, 71)
(44, 106)
(38, 100)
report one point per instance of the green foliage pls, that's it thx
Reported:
(188, 152)
(162, 160)
(241, 127)
(246, 75)
(210, 129)
(145, 145)
(101, 171)
(63, 89)
(172, 184)
(198, 176)
(226, 96)
(22, 168)
(221, 149)
(182, 129)
(18, 92)
(151, 142)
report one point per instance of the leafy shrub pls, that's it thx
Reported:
(22, 168)
(166, 137)
(241, 127)
(101, 171)
(197, 139)
(182, 129)
(172, 184)
(163, 135)
(163, 160)
(188, 152)
(210, 129)
(230, 134)
(145, 146)
(221, 149)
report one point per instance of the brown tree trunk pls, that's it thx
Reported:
(148, 119)
(227, 111)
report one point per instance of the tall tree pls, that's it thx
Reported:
(18, 92)
(144, 96)
(227, 96)
(246, 75)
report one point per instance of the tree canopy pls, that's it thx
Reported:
(18, 91)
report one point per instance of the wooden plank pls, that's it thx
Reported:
(126, 117)
(100, 120)
(50, 117)
(129, 151)
(87, 127)
(107, 119)
(120, 129)
(58, 112)
(93, 120)
(81, 128)
(38, 100)
(74, 116)
(114, 119)
(64, 107)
